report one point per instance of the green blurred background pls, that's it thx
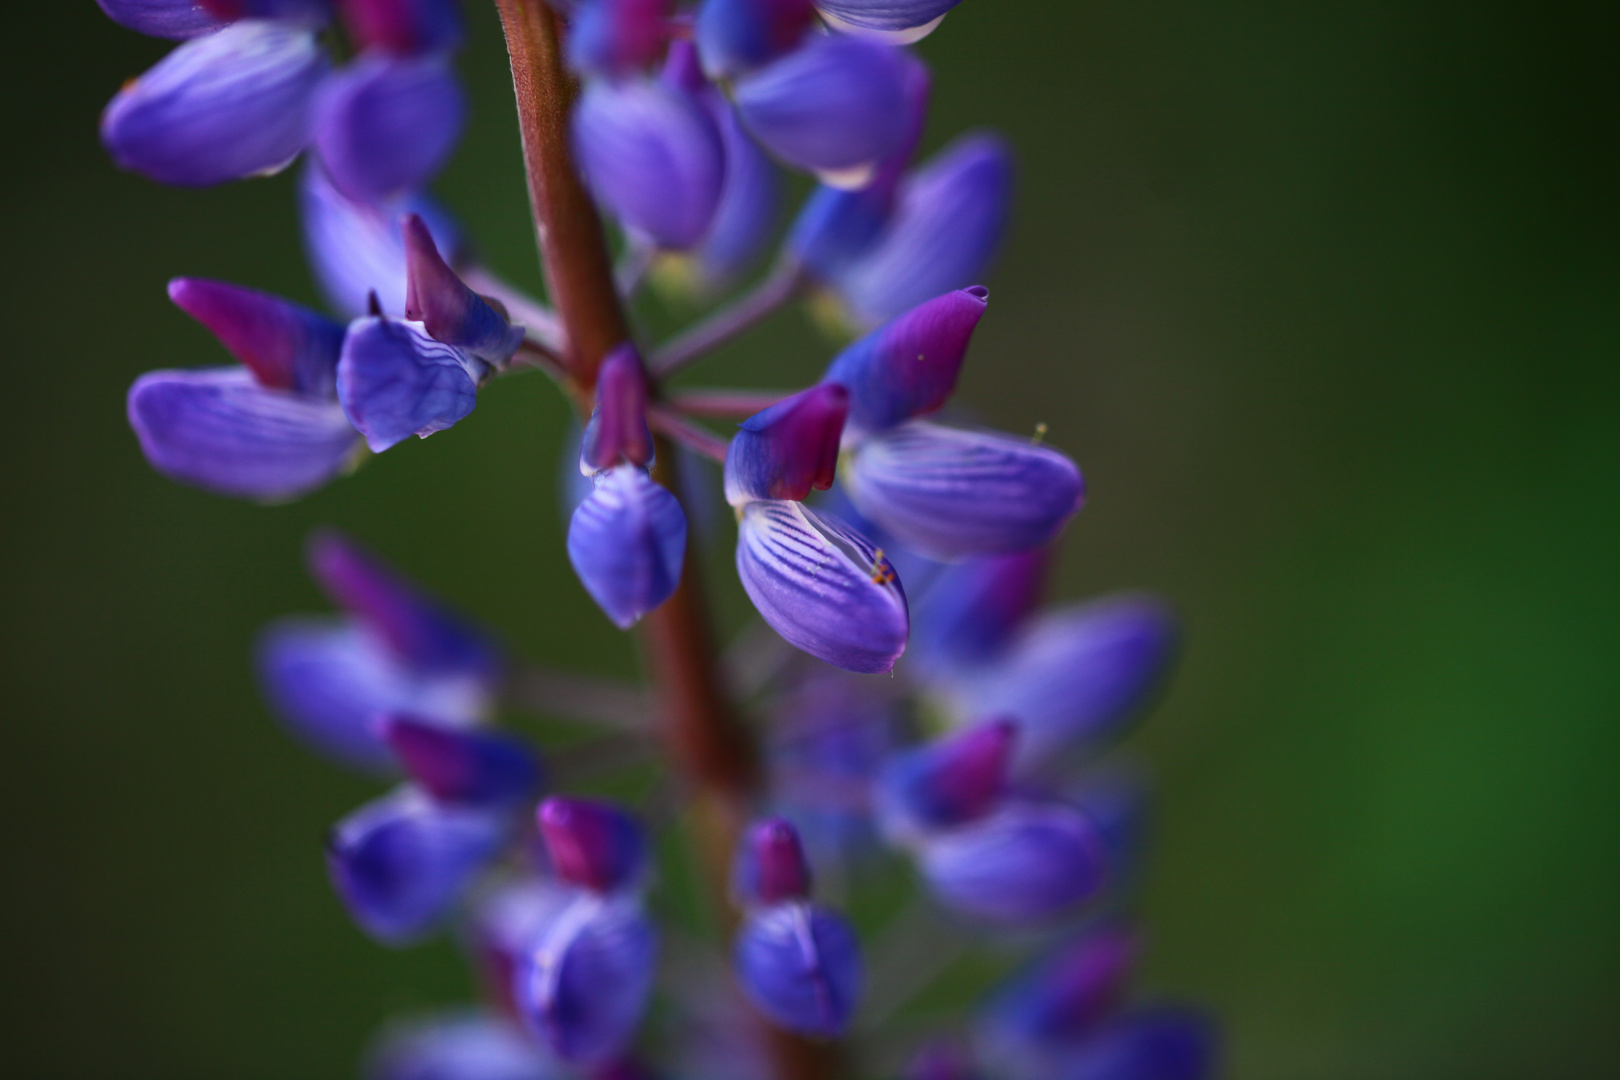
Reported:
(1324, 299)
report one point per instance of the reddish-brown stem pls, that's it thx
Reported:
(714, 752)
(579, 270)
(725, 404)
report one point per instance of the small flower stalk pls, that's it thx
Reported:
(926, 715)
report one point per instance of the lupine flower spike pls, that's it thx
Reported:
(686, 117)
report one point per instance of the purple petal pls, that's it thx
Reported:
(330, 682)
(404, 27)
(505, 920)
(744, 218)
(308, 13)
(627, 541)
(617, 37)
(357, 249)
(973, 608)
(1118, 802)
(446, 307)
(652, 155)
(770, 867)
(585, 982)
(385, 125)
(1163, 1043)
(948, 223)
(399, 864)
(176, 19)
(899, 22)
(950, 493)
(593, 845)
(617, 431)
(472, 767)
(221, 107)
(822, 586)
(218, 429)
(285, 345)
(950, 782)
(789, 449)
(909, 366)
(800, 965)
(1026, 861)
(736, 36)
(1075, 675)
(939, 1061)
(420, 630)
(833, 106)
(1061, 999)
(394, 381)
(469, 1045)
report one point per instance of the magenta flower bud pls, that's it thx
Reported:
(800, 965)
(223, 106)
(627, 543)
(175, 19)
(1026, 861)
(446, 307)
(385, 125)
(973, 609)
(394, 381)
(303, 12)
(822, 586)
(1075, 676)
(837, 106)
(617, 431)
(771, 867)
(949, 493)
(592, 844)
(736, 36)
(476, 768)
(650, 152)
(898, 22)
(403, 27)
(789, 449)
(617, 37)
(951, 782)
(908, 367)
(400, 863)
(286, 345)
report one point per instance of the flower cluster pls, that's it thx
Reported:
(866, 526)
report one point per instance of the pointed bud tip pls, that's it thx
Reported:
(592, 844)
(774, 868)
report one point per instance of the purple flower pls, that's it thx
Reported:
(949, 493)
(742, 223)
(1075, 675)
(592, 845)
(899, 22)
(400, 863)
(1163, 1043)
(951, 782)
(462, 1045)
(974, 607)
(447, 309)
(948, 220)
(224, 106)
(1026, 861)
(789, 449)
(270, 431)
(306, 12)
(617, 37)
(822, 586)
(385, 124)
(177, 19)
(394, 381)
(474, 768)
(651, 154)
(403, 27)
(908, 367)
(357, 249)
(736, 36)
(332, 682)
(798, 962)
(836, 106)
(617, 431)
(939, 1061)
(627, 542)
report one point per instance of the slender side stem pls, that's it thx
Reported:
(779, 286)
(579, 697)
(715, 753)
(579, 270)
(726, 404)
(666, 421)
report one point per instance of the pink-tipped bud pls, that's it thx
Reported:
(789, 449)
(618, 427)
(771, 866)
(451, 312)
(591, 844)
(949, 783)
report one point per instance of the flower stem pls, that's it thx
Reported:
(714, 752)
(779, 286)
(726, 404)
